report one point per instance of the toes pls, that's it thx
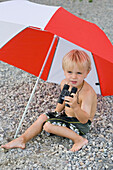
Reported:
(4, 146)
(74, 149)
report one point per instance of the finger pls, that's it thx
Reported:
(67, 104)
(73, 94)
(68, 98)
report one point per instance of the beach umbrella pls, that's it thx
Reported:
(35, 38)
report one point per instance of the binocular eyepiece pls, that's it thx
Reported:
(65, 92)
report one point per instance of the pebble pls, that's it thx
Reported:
(46, 151)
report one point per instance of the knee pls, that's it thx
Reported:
(42, 117)
(47, 127)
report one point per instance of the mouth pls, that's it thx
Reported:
(74, 82)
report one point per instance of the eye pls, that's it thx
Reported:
(69, 72)
(79, 73)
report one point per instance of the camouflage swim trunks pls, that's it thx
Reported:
(69, 122)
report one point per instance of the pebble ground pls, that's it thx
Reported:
(52, 152)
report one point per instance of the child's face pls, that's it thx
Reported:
(75, 75)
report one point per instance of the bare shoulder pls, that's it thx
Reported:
(89, 91)
(89, 94)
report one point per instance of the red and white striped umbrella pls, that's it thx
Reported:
(35, 37)
(27, 30)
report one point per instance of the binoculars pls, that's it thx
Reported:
(65, 92)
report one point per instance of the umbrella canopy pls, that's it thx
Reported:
(27, 31)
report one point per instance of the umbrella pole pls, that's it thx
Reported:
(25, 111)
(35, 86)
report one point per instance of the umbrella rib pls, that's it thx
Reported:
(25, 111)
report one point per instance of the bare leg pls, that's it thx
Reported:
(78, 140)
(32, 131)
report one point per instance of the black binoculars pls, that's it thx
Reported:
(65, 92)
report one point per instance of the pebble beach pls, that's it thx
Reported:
(46, 152)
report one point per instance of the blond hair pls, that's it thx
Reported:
(78, 57)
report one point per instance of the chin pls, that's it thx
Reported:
(73, 84)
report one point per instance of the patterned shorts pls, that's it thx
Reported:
(69, 122)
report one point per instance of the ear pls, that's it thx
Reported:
(64, 73)
(87, 73)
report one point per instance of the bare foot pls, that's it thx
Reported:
(78, 145)
(16, 143)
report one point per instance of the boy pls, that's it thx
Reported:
(79, 112)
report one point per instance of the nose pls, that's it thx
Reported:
(74, 76)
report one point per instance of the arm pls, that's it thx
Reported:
(59, 107)
(83, 112)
